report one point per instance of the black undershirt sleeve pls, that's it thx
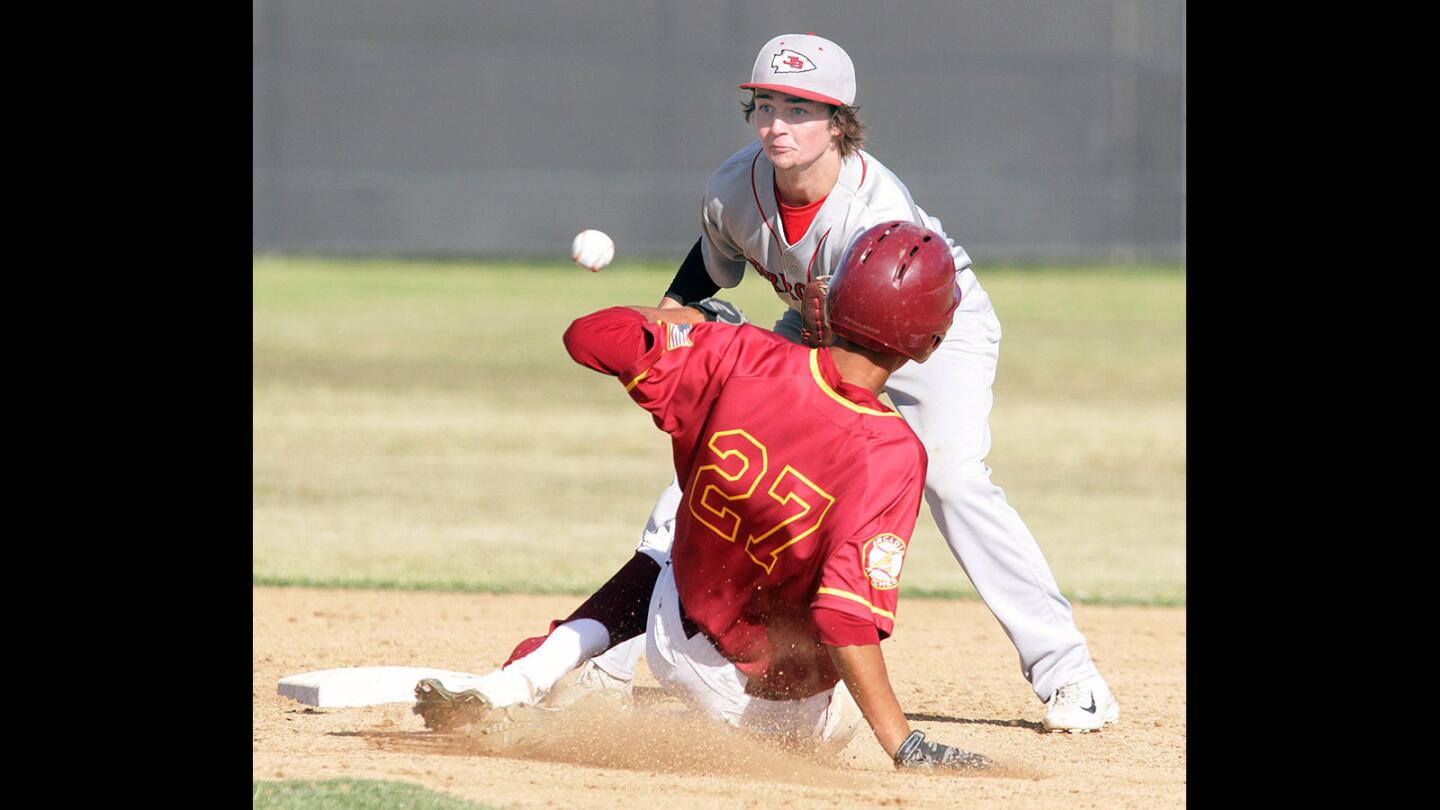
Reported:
(692, 283)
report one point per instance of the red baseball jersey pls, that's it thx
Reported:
(800, 491)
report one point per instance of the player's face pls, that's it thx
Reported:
(794, 132)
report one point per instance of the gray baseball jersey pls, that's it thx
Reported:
(742, 223)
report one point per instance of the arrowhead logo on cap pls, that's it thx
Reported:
(780, 67)
(788, 61)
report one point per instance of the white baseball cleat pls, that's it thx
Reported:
(1085, 705)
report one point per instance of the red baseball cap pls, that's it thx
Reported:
(807, 66)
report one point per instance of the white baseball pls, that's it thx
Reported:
(592, 250)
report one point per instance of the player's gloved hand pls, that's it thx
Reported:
(723, 311)
(916, 753)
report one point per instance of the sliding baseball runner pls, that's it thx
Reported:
(788, 548)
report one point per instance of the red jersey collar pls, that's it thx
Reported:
(822, 367)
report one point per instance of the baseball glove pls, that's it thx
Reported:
(815, 314)
(916, 753)
(723, 311)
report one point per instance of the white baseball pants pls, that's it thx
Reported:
(695, 670)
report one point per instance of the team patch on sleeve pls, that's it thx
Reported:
(677, 335)
(883, 557)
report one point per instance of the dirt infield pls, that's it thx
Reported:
(954, 671)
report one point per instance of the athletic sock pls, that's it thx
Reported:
(570, 644)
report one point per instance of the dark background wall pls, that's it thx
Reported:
(1033, 130)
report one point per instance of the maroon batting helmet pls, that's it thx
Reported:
(895, 291)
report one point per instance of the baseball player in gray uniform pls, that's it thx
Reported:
(788, 206)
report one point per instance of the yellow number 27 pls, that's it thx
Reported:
(741, 463)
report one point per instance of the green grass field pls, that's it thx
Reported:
(419, 424)
(351, 794)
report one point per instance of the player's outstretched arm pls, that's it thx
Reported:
(691, 283)
(610, 340)
(863, 668)
(672, 314)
